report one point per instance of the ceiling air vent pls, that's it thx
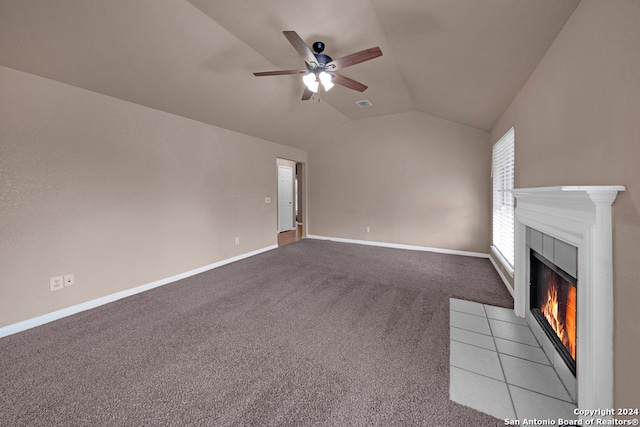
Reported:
(364, 103)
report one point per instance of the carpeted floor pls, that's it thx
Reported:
(313, 333)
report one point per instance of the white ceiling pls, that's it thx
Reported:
(461, 60)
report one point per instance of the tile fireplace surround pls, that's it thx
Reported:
(579, 216)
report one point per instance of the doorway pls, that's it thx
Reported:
(286, 203)
(290, 201)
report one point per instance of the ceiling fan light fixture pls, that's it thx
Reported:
(311, 82)
(325, 79)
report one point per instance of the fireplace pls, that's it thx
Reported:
(553, 305)
(579, 217)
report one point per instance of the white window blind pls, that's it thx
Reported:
(502, 170)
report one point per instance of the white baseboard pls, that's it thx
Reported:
(400, 246)
(59, 314)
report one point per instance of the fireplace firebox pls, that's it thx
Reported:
(553, 304)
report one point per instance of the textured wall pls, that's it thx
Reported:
(576, 123)
(413, 178)
(118, 194)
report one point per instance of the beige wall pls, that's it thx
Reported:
(413, 178)
(118, 194)
(577, 122)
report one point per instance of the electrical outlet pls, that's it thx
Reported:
(69, 280)
(237, 240)
(56, 283)
(367, 229)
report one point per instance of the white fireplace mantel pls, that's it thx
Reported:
(579, 216)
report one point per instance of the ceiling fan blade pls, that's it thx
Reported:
(279, 72)
(301, 47)
(307, 94)
(354, 58)
(348, 82)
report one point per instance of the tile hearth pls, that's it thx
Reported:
(497, 366)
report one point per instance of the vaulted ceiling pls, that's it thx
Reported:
(461, 60)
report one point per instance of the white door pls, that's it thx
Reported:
(285, 198)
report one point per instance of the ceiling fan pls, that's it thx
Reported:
(321, 69)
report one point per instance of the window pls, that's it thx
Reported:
(502, 171)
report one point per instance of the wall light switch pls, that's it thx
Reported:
(56, 283)
(267, 199)
(69, 280)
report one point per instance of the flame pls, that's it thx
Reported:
(567, 331)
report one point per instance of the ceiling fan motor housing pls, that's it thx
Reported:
(323, 59)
